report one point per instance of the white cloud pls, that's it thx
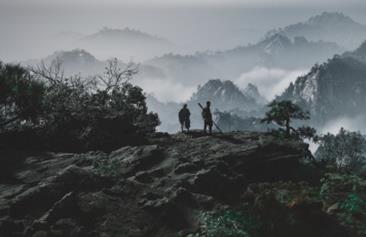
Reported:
(270, 81)
(166, 90)
(352, 124)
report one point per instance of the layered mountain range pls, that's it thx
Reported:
(329, 90)
(125, 44)
(276, 51)
(297, 46)
(330, 27)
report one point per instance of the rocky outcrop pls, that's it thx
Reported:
(332, 90)
(152, 190)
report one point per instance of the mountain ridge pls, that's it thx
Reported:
(327, 26)
(125, 44)
(333, 89)
(277, 51)
(127, 33)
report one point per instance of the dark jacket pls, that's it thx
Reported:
(206, 114)
(184, 115)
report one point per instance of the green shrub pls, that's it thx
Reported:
(349, 192)
(21, 98)
(107, 167)
(283, 112)
(335, 186)
(227, 223)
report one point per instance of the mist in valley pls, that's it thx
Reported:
(195, 118)
(181, 45)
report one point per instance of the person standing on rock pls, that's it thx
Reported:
(184, 119)
(207, 118)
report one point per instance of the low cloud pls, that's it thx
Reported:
(166, 90)
(352, 124)
(270, 81)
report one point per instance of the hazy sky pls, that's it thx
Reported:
(188, 2)
(27, 25)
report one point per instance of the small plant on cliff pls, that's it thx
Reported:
(107, 167)
(227, 223)
(283, 113)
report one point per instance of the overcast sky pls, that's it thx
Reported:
(189, 2)
(198, 24)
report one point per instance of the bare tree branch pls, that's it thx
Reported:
(115, 76)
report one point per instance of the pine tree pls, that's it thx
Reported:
(283, 112)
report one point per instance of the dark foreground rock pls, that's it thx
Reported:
(152, 190)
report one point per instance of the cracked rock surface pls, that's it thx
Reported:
(151, 190)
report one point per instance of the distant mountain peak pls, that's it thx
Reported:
(125, 33)
(362, 49)
(74, 62)
(73, 55)
(275, 42)
(277, 38)
(212, 83)
(329, 27)
(327, 18)
(126, 44)
(252, 91)
(217, 87)
(224, 95)
(108, 30)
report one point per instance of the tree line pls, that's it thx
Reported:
(41, 107)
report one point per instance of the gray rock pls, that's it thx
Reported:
(67, 227)
(44, 195)
(134, 159)
(40, 233)
(10, 227)
(159, 188)
(65, 207)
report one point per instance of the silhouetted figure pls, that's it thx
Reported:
(207, 117)
(184, 120)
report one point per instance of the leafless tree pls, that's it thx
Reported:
(114, 76)
(52, 73)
